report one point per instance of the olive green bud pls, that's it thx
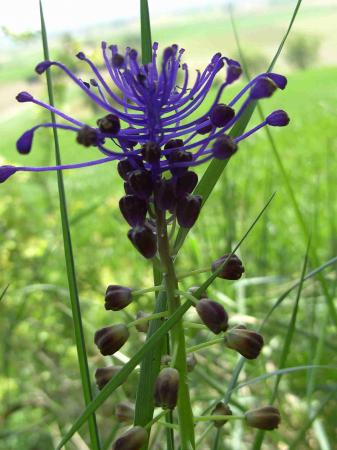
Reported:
(213, 315)
(247, 342)
(133, 439)
(191, 362)
(166, 388)
(232, 270)
(104, 374)
(221, 409)
(165, 360)
(125, 411)
(110, 339)
(265, 418)
(144, 326)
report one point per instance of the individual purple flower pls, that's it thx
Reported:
(146, 127)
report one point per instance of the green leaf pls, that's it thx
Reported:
(286, 347)
(69, 260)
(3, 293)
(145, 28)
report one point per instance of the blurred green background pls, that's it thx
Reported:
(40, 390)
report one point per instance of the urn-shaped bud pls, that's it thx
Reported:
(188, 209)
(221, 409)
(143, 326)
(191, 362)
(117, 297)
(179, 159)
(265, 418)
(224, 147)
(104, 374)
(165, 360)
(140, 182)
(109, 124)
(134, 209)
(185, 183)
(213, 315)
(125, 411)
(87, 136)
(128, 165)
(134, 439)
(166, 388)
(144, 239)
(221, 115)
(165, 195)
(204, 129)
(151, 152)
(247, 342)
(110, 339)
(232, 270)
(264, 87)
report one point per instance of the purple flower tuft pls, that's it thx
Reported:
(6, 172)
(278, 118)
(264, 87)
(42, 67)
(23, 97)
(24, 143)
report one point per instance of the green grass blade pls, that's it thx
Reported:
(3, 293)
(279, 301)
(301, 434)
(69, 260)
(215, 168)
(145, 28)
(286, 347)
(281, 372)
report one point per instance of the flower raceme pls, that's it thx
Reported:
(149, 131)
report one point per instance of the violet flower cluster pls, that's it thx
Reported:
(149, 131)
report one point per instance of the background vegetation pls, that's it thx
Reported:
(40, 388)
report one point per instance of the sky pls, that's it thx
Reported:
(23, 15)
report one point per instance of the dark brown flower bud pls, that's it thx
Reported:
(188, 209)
(166, 388)
(87, 136)
(165, 195)
(151, 152)
(134, 209)
(140, 182)
(134, 439)
(232, 270)
(104, 374)
(109, 124)
(185, 183)
(224, 147)
(125, 411)
(110, 339)
(247, 342)
(117, 297)
(213, 315)
(221, 115)
(144, 326)
(191, 362)
(127, 165)
(144, 239)
(265, 418)
(221, 409)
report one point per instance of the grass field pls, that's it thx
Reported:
(39, 383)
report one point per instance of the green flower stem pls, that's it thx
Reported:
(193, 325)
(217, 417)
(146, 319)
(190, 273)
(173, 426)
(139, 292)
(195, 348)
(185, 414)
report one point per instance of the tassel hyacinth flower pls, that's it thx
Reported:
(147, 129)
